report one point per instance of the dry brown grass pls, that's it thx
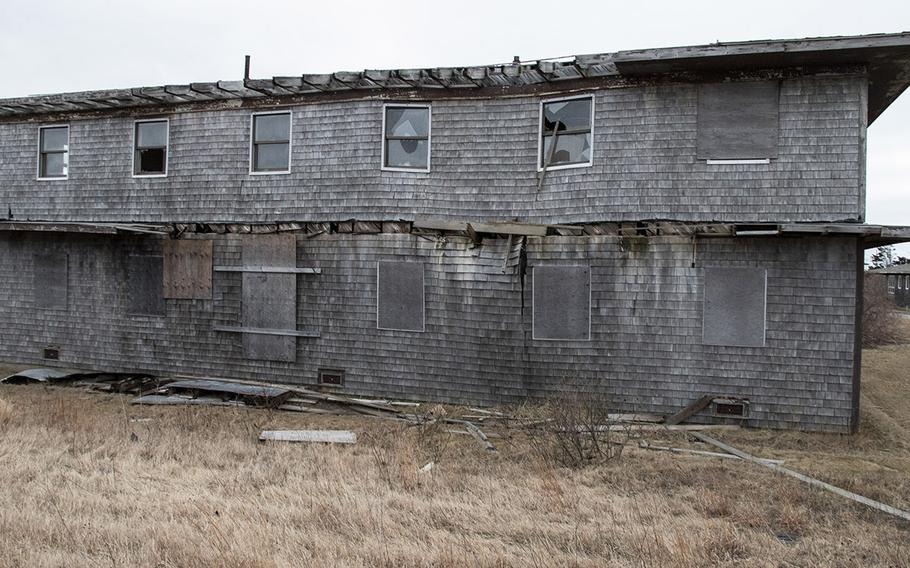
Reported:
(88, 480)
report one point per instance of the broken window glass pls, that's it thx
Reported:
(569, 122)
(151, 148)
(272, 142)
(407, 138)
(53, 151)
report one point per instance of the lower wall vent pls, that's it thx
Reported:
(334, 377)
(731, 408)
(51, 353)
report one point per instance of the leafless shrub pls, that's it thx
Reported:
(881, 324)
(579, 431)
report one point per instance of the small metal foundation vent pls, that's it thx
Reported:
(51, 353)
(334, 377)
(731, 408)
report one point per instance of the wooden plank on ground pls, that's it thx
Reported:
(806, 479)
(320, 436)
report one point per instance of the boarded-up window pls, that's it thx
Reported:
(145, 289)
(50, 281)
(188, 269)
(562, 302)
(400, 296)
(269, 303)
(734, 309)
(738, 120)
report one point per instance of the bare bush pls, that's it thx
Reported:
(579, 431)
(881, 323)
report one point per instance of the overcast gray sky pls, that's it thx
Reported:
(57, 46)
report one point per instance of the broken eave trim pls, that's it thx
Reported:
(83, 227)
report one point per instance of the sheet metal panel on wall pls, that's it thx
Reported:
(738, 120)
(50, 280)
(269, 300)
(145, 285)
(562, 302)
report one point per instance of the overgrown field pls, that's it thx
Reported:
(88, 480)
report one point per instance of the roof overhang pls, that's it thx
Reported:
(886, 57)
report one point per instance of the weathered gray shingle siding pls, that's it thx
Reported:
(484, 158)
(645, 351)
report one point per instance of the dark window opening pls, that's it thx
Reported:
(331, 377)
(566, 133)
(51, 353)
(407, 138)
(151, 148)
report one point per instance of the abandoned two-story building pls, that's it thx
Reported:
(652, 225)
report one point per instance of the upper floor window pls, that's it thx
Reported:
(738, 121)
(270, 148)
(150, 148)
(406, 138)
(566, 133)
(53, 152)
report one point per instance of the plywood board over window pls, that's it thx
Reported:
(50, 280)
(738, 121)
(734, 306)
(400, 296)
(188, 269)
(269, 300)
(561, 303)
(145, 285)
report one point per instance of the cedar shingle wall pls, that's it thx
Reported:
(645, 351)
(484, 156)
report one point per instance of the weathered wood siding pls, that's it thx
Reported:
(646, 348)
(484, 165)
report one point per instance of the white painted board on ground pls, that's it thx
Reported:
(325, 436)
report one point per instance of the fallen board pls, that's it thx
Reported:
(805, 478)
(157, 399)
(324, 436)
(240, 389)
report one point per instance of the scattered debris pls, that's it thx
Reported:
(474, 431)
(805, 478)
(43, 376)
(690, 410)
(323, 436)
(427, 467)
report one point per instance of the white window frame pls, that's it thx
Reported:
(890, 280)
(66, 161)
(167, 147)
(900, 282)
(253, 116)
(429, 108)
(737, 161)
(539, 158)
(590, 303)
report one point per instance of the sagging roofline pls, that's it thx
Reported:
(884, 57)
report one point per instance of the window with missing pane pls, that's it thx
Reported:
(406, 140)
(565, 132)
(53, 153)
(271, 150)
(150, 152)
